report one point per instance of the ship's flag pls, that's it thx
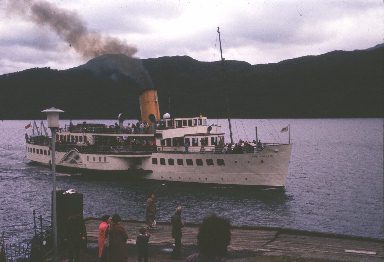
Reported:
(284, 129)
(28, 126)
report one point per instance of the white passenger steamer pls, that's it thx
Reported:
(172, 149)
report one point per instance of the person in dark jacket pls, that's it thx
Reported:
(117, 241)
(150, 213)
(76, 236)
(212, 240)
(177, 225)
(142, 245)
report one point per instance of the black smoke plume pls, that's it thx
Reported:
(70, 27)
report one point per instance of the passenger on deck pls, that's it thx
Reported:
(70, 126)
(259, 145)
(237, 149)
(248, 147)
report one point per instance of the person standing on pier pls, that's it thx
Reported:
(76, 236)
(177, 225)
(117, 251)
(151, 211)
(212, 240)
(103, 237)
(142, 245)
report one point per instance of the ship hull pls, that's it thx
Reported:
(268, 167)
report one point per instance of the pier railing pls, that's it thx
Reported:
(32, 250)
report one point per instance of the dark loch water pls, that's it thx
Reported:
(335, 183)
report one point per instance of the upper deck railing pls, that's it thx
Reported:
(112, 150)
(111, 129)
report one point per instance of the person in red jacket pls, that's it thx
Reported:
(103, 236)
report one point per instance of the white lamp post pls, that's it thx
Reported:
(53, 124)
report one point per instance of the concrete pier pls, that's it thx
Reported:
(257, 244)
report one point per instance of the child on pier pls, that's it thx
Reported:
(142, 245)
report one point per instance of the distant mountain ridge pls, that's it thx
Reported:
(335, 84)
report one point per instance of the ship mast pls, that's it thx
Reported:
(225, 89)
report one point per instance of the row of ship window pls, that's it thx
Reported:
(100, 159)
(71, 138)
(186, 122)
(192, 141)
(188, 162)
(39, 151)
(48, 153)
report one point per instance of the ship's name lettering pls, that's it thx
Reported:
(264, 156)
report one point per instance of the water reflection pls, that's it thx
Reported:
(268, 195)
(243, 205)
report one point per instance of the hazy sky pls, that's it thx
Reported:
(255, 31)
